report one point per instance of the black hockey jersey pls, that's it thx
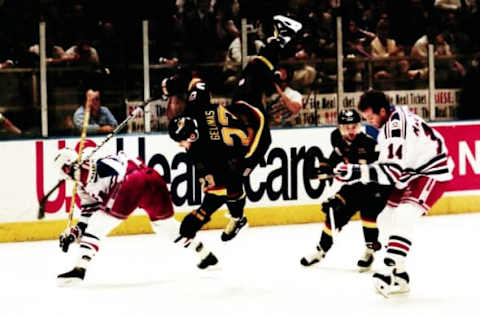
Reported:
(241, 127)
(223, 140)
(360, 151)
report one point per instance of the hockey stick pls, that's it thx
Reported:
(324, 176)
(83, 135)
(43, 201)
(333, 227)
(134, 113)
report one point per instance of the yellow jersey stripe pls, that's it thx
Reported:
(256, 140)
(265, 61)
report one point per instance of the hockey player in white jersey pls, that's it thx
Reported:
(110, 189)
(414, 158)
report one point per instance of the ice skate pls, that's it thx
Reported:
(72, 277)
(365, 262)
(401, 283)
(285, 29)
(209, 260)
(383, 284)
(313, 258)
(233, 228)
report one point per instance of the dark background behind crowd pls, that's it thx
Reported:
(107, 33)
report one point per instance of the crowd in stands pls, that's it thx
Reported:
(198, 31)
(391, 36)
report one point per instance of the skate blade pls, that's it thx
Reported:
(399, 290)
(364, 269)
(382, 289)
(61, 282)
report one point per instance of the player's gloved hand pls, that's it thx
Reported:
(334, 203)
(69, 236)
(347, 172)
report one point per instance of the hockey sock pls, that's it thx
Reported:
(397, 251)
(236, 207)
(326, 240)
(370, 231)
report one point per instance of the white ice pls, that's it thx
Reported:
(258, 274)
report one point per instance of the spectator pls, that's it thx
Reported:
(101, 120)
(200, 30)
(8, 126)
(356, 40)
(448, 4)
(383, 46)
(467, 108)
(83, 54)
(227, 19)
(447, 67)
(55, 54)
(283, 105)
(304, 74)
(6, 64)
(233, 59)
(110, 45)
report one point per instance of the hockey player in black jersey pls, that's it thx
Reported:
(257, 78)
(352, 146)
(217, 143)
(246, 109)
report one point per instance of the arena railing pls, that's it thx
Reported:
(42, 100)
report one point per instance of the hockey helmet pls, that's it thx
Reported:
(181, 127)
(348, 117)
(65, 161)
(349, 124)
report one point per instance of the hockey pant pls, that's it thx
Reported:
(369, 200)
(257, 78)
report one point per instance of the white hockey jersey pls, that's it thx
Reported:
(410, 148)
(105, 176)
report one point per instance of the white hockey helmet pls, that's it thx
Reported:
(65, 161)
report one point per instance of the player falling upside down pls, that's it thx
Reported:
(246, 105)
(351, 145)
(110, 189)
(413, 157)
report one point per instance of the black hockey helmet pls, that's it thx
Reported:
(348, 117)
(181, 127)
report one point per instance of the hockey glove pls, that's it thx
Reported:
(347, 172)
(68, 237)
(335, 203)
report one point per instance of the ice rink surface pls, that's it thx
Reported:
(258, 274)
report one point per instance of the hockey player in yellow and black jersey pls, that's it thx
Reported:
(350, 145)
(257, 79)
(218, 144)
(227, 143)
